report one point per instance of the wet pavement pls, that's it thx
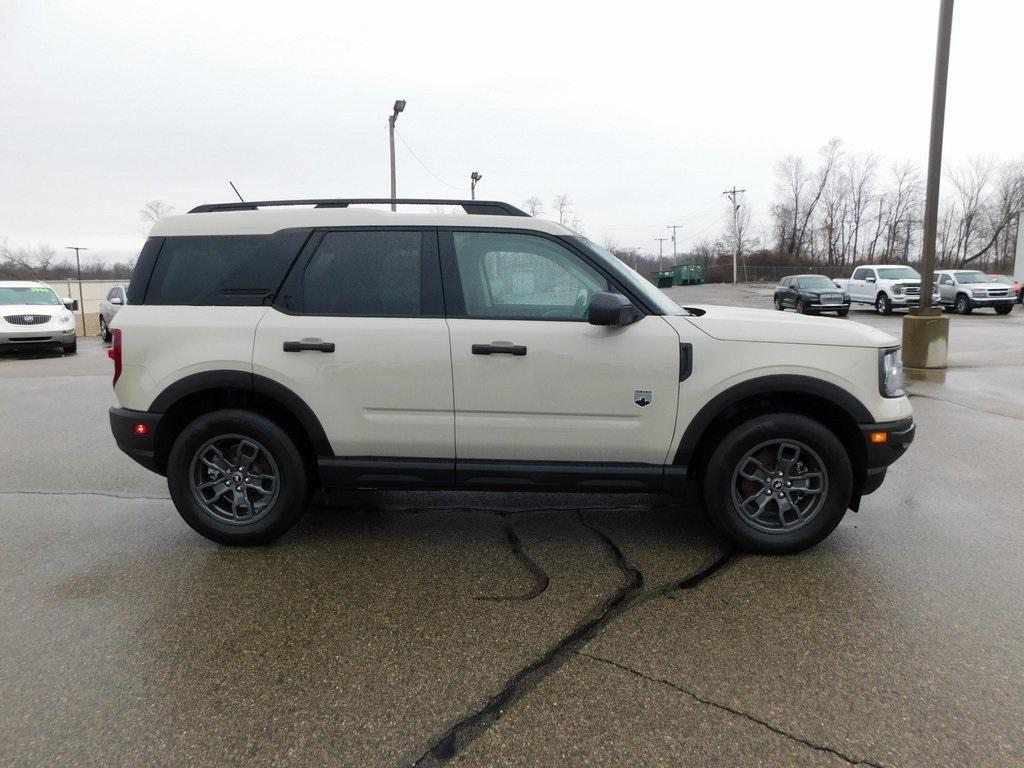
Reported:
(514, 629)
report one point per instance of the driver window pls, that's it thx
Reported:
(513, 276)
(945, 280)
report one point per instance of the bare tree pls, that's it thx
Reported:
(860, 180)
(534, 206)
(155, 210)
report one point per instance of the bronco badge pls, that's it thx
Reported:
(643, 397)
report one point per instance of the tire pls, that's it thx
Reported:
(778, 304)
(883, 304)
(70, 349)
(778, 532)
(1004, 310)
(962, 306)
(272, 508)
(843, 312)
(801, 307)
(104, 330)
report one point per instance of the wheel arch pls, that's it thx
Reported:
(200, 393)
(828, 403)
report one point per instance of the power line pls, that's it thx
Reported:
(406, 145)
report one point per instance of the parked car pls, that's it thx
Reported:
(32, 317)
(964, 290)
(270, 348)
(811, 294)
(116, 298)
(1016, 286)
(886, 287)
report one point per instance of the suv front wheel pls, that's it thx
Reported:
(237, 478)
(778, 483)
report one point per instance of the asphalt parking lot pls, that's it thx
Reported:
(507, 630)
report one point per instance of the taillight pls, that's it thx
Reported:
(114, 353)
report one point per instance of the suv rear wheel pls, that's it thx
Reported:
(778, 483)
(237, 478)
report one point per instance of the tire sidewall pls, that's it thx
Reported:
(292, 496)
(719, 476)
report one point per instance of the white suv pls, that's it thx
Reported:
(269, 348)
(32, 317)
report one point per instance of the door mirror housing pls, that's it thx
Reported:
(869, 279)
(69, 303)
(608, 308)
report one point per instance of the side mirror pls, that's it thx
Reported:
(116, 300)
(869, 279)
(70, 303)
(611, 309)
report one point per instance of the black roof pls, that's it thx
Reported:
(475, 207)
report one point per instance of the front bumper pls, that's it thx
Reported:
(29, 336)
(904, 300)
(142, 448)
(899, 436)
(995, 301)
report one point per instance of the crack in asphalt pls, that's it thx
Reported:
(102, 494)
(732, 711)
(538, 574)
(472, 726)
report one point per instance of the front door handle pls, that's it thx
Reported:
(312, 346)
(499, 348)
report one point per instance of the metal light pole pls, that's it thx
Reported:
(399, 107)
(931, 201)
(926, 329)
(474, 177)
(81, 299)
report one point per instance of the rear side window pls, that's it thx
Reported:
(370, 273)
(220, 270)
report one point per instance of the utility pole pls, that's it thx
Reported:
(732, 194)
(674, 227)
(399, 107)
(661, 246)
(81, 299)
(474, 177)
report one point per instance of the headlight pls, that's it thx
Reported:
(979, 292)
(890, 373)
(65, 318)
(897, 289)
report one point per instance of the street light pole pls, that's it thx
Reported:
(81, 299)
(399, 107)
(925, 328)
(474, 177)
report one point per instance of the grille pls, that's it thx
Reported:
(912, 290)
(831, 298)
(998, 292)
(27, 319)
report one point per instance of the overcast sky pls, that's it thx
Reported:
(642, 113)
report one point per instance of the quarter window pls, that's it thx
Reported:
(515, 276)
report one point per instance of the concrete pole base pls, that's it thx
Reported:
(925, 338)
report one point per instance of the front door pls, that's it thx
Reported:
(534, 381)
(358, 332)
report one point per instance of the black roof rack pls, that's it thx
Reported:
(476, 207)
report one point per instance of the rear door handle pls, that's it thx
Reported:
(499, 348)
(312, 346)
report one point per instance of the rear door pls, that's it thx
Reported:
(358, 332)
(534, 381)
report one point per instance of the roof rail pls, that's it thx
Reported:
(476, 207)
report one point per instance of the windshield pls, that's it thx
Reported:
(28, 294)
(626, 274)
(971, 277)
(898, 273)
(820, 282)
(1002, 279)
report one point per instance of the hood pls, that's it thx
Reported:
(737, 324)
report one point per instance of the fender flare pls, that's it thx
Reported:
(774, 384)
(253, 384)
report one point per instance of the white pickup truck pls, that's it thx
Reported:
(886, 287)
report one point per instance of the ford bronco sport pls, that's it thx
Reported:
(270, 348)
